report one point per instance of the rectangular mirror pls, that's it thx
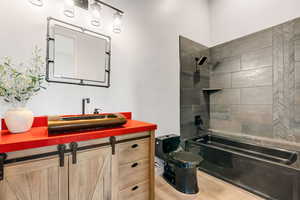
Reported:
(77, 56)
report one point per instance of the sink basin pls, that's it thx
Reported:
(86, 117)
(84, 122)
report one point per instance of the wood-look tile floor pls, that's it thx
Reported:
(211, 188)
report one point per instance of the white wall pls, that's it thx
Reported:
(231, 19)
(145, 57)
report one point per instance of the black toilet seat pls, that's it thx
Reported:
(185, 159)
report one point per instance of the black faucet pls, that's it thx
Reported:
(84, 102)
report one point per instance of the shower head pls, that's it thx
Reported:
(201, 60)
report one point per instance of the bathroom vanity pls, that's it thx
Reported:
(109, 164)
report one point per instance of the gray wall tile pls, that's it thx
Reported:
(190, 96)
(297, 116)
(257, 59)
(259, 95)
(188, 51)
(297, 96)
(254, 113)
(297, 27)
(188, 113)
(284, 81)
(265, 73)
(226, 125)
(187, 63)
(220, 111)
(297, 50)
(254, 119)
(215, 53)
(200, 81)
(268, 78)
(252, 78)
(279, 107)
(187, 119)
(254, 41)
(231, 64)
(236, 47)
(226, 96)
(257, 129)
(297, 74)
(189, 46)
(220, 80)
(186, 80)
(297, 123)
(192, 100)
(188, 132)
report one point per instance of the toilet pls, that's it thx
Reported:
(180, 167)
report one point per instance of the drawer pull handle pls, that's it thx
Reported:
(134, 146)
(134, 165)
(135, 188)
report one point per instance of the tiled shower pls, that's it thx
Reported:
(260, 80)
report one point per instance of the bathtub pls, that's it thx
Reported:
(266, 172)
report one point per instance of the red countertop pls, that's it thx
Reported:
(38, 135)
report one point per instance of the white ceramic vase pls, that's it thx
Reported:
(18, 120)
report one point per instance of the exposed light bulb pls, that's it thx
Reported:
(95, 10)
(37, 2)
(117, 27)
(69, 9)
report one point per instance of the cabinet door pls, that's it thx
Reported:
(90, 178)
(35, 180)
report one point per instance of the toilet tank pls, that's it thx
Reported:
(166, 144)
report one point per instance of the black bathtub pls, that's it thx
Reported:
(263, 171)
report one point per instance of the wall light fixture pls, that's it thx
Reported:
(37, 2)
(69, 9)
(95, 9)
(117, 26)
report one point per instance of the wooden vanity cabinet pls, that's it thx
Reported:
(96, 174)
(133, 170)
(35, 180)
(90, 177)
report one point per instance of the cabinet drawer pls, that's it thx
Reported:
(136, 192)
(133, 151)
(134, 173)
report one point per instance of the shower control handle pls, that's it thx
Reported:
(135, 188)
(134, 165)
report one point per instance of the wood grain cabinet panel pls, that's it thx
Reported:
(133, 173)
(90, 178)
(137, 192)
(133, 151)
(35, 180)
(135, 169)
